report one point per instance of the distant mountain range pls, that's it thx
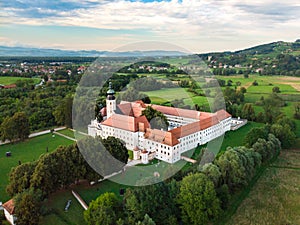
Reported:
(274, 47)
(40, 52)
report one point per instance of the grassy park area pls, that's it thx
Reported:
(29, 150)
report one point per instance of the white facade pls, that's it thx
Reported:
(8, 208)
(163, 151)
(10, 218)
(187, 129)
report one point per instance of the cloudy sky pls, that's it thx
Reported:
(195, 25)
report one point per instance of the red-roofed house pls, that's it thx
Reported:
(187, 128)
(9, 210)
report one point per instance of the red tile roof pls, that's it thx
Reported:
(132, 108)
(132, 120)
(193, 114)
(126, 108)
(164, 137)
(126, 122)
(9, 206)
(103, 111)
(206, 120)
(9, 86)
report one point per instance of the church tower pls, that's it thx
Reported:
(110, 101)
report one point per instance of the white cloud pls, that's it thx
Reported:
(175, 20)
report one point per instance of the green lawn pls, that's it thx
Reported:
(89, 193)
(236, 138)
(58, 216)
(200, 100)
(165, 96)
(72, 134)
(267, 89)
(168, 94)
(26, 151)
(12, 80)
(57, 202)
(67, 132)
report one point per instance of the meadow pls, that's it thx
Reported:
(167, 95)
(12, 80)
(289, 90)
(275, 197)
(27, 151)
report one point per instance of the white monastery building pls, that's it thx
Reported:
(187, 128)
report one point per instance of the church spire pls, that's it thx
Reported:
(111, 104)
(110, 93)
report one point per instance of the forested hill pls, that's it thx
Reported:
(276, 58)
(279, 47)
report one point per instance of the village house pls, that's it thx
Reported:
(9, 210)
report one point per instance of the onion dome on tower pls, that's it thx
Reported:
(111, 103)
(110, 93)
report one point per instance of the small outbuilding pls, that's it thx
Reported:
(9, 211)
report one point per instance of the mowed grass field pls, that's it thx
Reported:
(167, 95)
(275, 199)
(27, 151)
(12, 80)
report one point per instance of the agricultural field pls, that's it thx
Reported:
(12, 80)
(27, 151)
(275, 198)
(289, 89)
(286, 84)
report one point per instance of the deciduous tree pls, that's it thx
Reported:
(27, 207)
(198, 200)
(105, 210)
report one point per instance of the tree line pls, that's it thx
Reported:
(31, 183)
(198, 195)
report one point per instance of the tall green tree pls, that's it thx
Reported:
(284, 134)
(156, 118)
(254, 134)
(248, 112)
(198, 201)
(297, 111)
(232, 169)
(105, 210)
(19, 178)
(158, 201)
(63, 112)
(271, 106)
(147, 221)
(15, 128)
(117, 148)
(27, 207)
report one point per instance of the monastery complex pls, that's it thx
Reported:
(187, 128)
